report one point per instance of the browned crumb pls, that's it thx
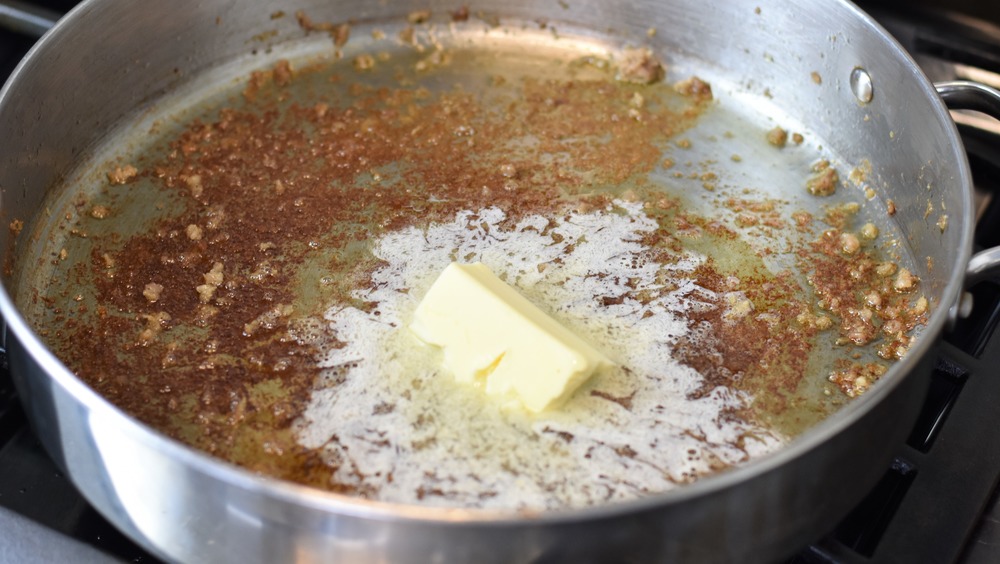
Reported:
(695, 88)
(816, 77)
(306, 23)
(100, 212)
(438, 58)
(193, 183)
(905, 281)
(849, 243)
(797, 138)
(890, 207)
(122, 174)
(942, 223)
(193, 232)
(419, 16)
(885, 269)
(639, 66)
(15, 227)
(213, 279)
(810, 320)
(340, 33)
(282, 73)
(777, 137)
(857, 378)
(824, 180)
(802, 219)
(841, 215)
(152, 291)
(406, 35)
(154, 324)
(461, 14)
(364, 62)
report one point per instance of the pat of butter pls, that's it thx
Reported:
(493, 335)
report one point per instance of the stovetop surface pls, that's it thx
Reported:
(936, 503)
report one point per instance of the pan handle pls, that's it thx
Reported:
(26, 19)
(967, 95)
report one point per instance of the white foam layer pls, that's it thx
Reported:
(402, 431)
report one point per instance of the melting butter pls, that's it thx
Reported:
(494, 336)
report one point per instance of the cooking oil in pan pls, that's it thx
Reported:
(239, 273)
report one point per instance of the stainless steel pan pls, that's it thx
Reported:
(107, 61)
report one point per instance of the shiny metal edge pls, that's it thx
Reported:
(346, 505)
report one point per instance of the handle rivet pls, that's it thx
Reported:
(861, 85)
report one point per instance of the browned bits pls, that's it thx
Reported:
(419, 16)
(871, 299)
(282, 73)
(812, 321)
(777, 137)
(407, 35)
(797, 138)
(100, 212)
(154, 325)
(193, 183)
(802, 219)
(15, 227)
(942, 223)
(842, 215)
(364, 62)
(213, 279)
(122, 175)
(305, 22)
(341, 33)
(857, 378)
(905, 281)
(639, 66)
(816, 78)
(268, 320)
(824, 180)
(695, 88)
(461, 14)
(152, 292)
(885, 269)
(849, 243)
(267, 181)
(890, 207)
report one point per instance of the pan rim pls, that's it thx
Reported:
(330, 502)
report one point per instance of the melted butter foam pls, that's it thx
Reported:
(398, 429)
